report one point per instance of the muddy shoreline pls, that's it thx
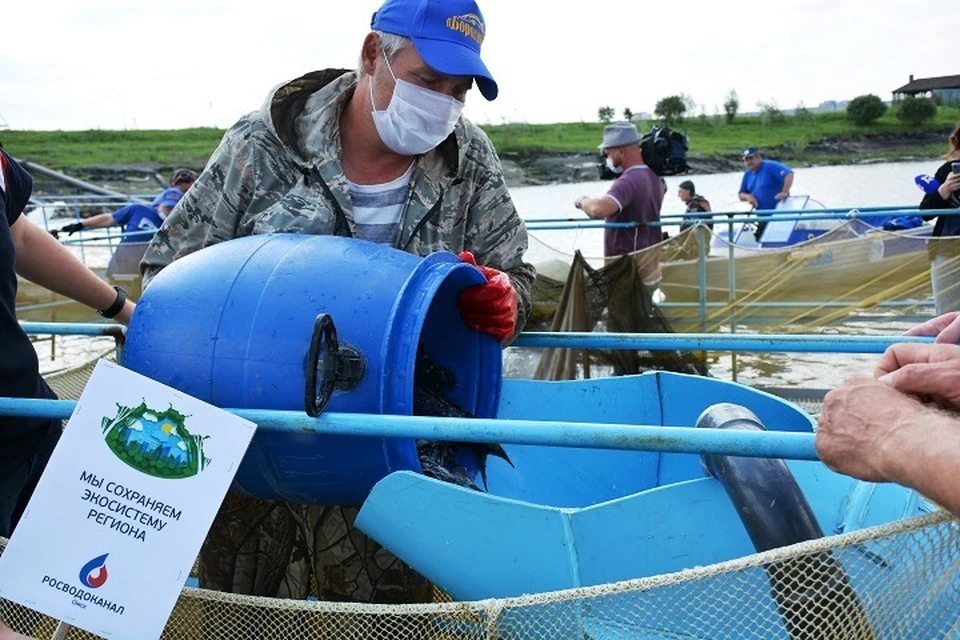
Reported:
(542, 168)
(557, 168)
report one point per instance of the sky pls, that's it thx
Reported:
(105, 64)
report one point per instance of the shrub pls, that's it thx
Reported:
(916, 111)
(605, 114)
(731, 106)
(865, 109)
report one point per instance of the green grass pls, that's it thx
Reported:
(712, 136)
(157, 148)
(709, 136)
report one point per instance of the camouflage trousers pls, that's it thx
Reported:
(277, 549)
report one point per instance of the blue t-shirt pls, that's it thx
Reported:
(766, 183)
(138, 217)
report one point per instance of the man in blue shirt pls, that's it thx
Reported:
(133, 218)
(765, 182)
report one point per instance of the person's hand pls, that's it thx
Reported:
(946, 327)
(860, 424)
(927, 371)
(951, 184)
(489, 307)
(783, 195)
(56, 234)
(579, 202)
(72, 228)
(749, 197)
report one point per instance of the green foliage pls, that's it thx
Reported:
(716, 137)
(158, 148)
(770, 113)
(628, 114)
(671, 109)
(605, 114)
(916, 111)
(802, 115)
(730, 106)
(865, 109)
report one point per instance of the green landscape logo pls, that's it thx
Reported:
(155, 442)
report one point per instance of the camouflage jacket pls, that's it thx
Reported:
(279, 170)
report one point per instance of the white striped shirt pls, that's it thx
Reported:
(377, 208)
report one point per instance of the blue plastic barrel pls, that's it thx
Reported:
(232, 324)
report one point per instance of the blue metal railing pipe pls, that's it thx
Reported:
(741, 342)
(74, 328)
(591, 435)
(735, 218)
(678, 216)
(801, 343)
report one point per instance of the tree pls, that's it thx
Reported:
(916, 111)
(864, 109)
(628, 114)
(605, 114)
(770, 113)
(731, 106)
(671, 109)
(802, 115)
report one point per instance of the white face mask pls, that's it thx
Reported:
(613, 168)
(417, 119)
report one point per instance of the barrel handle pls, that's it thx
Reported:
(329, 366)
(322, 364)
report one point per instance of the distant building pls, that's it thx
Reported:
(943, 89)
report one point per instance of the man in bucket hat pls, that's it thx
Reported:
(380, 154)
(635, 196)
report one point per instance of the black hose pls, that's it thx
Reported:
(812, 592)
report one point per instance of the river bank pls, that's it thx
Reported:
(527, 168)
(538, 168)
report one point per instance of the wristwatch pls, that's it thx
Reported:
(117, 305)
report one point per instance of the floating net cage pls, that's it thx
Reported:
(847, 273)
(900, 580)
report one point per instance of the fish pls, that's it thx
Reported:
(432, 383)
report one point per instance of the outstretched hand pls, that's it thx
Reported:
(71, 229)
(859, 425)
(489, 307)
(927, 371)
(946, 327)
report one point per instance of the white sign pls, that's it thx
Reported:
(124, 504)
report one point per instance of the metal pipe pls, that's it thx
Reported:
(33, 167)
(817, 214)
(74, 329)
(792, 343)
(679, 216)
(590, 435)
(800, 304)
(785, 343)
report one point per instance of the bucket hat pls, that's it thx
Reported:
(619, 134)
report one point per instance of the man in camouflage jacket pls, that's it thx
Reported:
(285, 169)
(279, 170)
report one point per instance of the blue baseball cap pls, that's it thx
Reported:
(170, 197)
(446, 33)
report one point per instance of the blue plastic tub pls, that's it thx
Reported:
(233, 324)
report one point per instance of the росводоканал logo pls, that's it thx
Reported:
(155, 442)
(94, 574)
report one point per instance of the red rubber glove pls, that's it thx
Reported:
(490, 307)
